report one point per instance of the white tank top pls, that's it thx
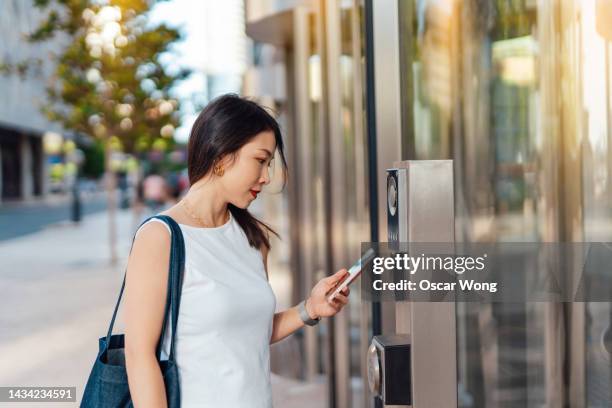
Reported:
(222, 344)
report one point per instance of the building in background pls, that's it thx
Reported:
(518, 94)
(225, 59)
(22, 125)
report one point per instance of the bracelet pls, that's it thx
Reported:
(304, 315)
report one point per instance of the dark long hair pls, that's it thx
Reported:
(226, 124)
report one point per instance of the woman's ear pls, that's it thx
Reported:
(226, 161)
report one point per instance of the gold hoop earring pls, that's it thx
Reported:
(219, 171)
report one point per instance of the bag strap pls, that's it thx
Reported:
(175, 281)
(178, 265)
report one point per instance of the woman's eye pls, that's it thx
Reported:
(261, 160)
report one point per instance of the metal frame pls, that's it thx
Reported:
(326, 171)
(388, 122)
(362, 175)
(427, 215)
(338, 194)
(303, 132)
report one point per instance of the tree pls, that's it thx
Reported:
(109, 81)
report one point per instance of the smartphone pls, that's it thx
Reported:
(353, 272)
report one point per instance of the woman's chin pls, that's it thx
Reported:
(242, 204)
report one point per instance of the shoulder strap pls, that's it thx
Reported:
(175, 280)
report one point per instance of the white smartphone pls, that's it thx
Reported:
(353, 272)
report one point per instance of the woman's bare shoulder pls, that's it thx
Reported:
(151, 238)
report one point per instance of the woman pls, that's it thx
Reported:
(227, 318)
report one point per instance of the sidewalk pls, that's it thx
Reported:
(59, 292)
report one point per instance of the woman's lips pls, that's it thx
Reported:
(254, 193)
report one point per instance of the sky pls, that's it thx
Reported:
(214, 44)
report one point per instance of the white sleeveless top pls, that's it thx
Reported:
(222, 344)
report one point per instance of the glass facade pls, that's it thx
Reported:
(518, 94)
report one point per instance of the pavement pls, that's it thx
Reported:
(59, 291)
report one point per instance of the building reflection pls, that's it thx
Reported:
(517, 93)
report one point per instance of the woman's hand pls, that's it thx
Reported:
(317, 304)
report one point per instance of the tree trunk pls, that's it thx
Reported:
(110, 183)
(137, 204)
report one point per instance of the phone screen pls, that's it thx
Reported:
(353, 272)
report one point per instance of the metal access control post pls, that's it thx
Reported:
(420, 209)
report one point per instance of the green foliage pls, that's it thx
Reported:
(93, 165)
(108, 82)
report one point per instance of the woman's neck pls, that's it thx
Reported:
(205, 203)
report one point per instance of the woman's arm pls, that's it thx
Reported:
(289, 321)
(285, 323)
(146, 286)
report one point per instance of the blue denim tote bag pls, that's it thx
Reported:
(107, 385)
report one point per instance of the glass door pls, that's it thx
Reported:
(517, 93)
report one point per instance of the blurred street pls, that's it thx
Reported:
(36, 214)
(60, 291)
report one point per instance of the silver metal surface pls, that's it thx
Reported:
(374, 370)
(387, 85)
(303, 132)
(338, 192)
(426, 210)
(388, 118)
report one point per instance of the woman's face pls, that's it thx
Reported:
(243, 179)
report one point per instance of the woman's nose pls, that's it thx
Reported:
(265, 176)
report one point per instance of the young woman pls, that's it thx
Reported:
(227, 318)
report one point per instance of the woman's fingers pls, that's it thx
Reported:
(341, 298)
(336, 277)
(342, 295)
